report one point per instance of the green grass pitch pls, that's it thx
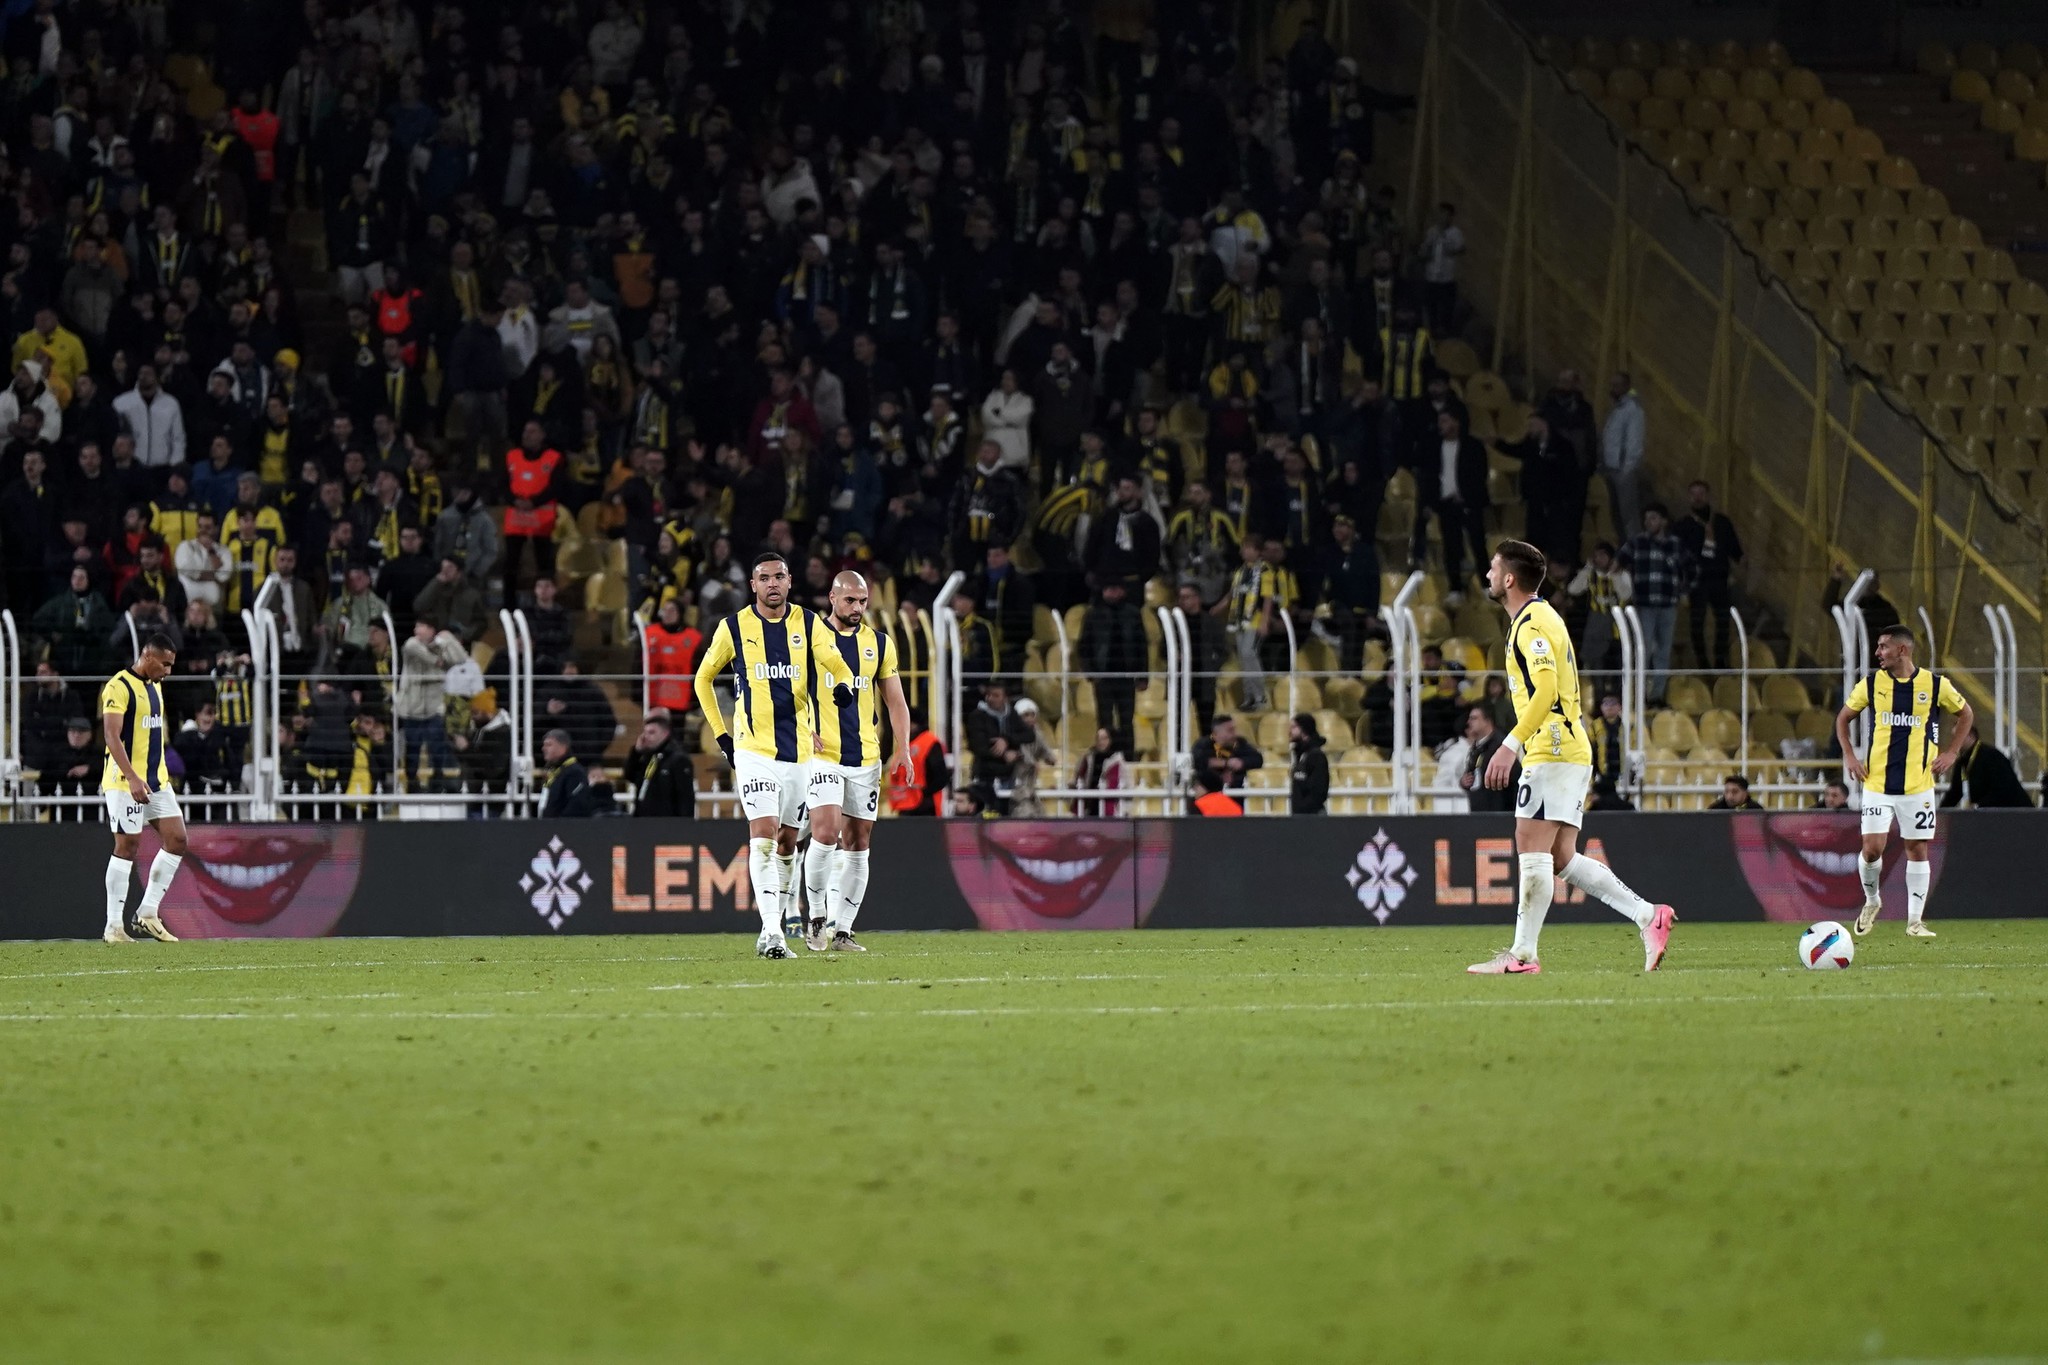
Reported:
(1162, 1147)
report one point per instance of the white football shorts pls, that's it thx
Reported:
(1554, 791)
(768, 786)
(128, 816)
(855, 790)
(1914, 813)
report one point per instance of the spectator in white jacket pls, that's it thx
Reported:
(518, 328)
(1006, 420)
(422, 699)
(1621, 456)
(613, 44)
(786, 184)
(154, 419)
(204, 564)
(27, 394)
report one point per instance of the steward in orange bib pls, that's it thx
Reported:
(259, 128)
(531, 468)
(927, 794)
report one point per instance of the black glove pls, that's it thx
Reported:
(842, 695)
(725, 747)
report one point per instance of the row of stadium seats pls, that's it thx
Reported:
(2007, 86)
(1908, 289)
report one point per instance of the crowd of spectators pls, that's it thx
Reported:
(386, 299)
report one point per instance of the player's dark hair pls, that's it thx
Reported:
(768, 557)
(1524, 561)
(1897, 632)
(159, 642)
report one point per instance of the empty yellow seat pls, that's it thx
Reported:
(1626, 82)
(1979, 57)
(1969, 87)
(1793, 115)
(2009, 361)
(1687, 694)
(1757, 84)
(1962, 234)
(1820, 142)
(1774, 145)
(2013, 86)
(1861, 263)
(1671, 83)
(1999, 116)
(1838, 201)
(2033, 390)
(1918, 233)
(1802, 84)
(1897, 173)
(1814, 724)
(1833, 114)
(1705, 115)
(1853, 173)
(2009, 328)
(1721, 729)
(2030, 144)
(1996, 266)
(1728, 691)
(1654, 111)
(1827, 234)
(1959, 358)
(1939, 296)
(1872, 231)
(1927, 202)
(1973, 328)
(1988, 390)
(1862, 143)
(1717, 84)
(1675, 731)
(1905, 266)
(2028, 297)
(1785, 694)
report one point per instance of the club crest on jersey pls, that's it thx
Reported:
(869, 653)
(1920, 697)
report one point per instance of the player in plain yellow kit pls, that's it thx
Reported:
(771, 648)
(1898, 776)
(137, 785)
(845, 789)
(1557, 768)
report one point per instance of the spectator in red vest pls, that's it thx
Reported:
(398, 310)
(531, 470)
(672, 650)
(259, 128)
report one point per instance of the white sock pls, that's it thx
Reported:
(1872, 874)
(818, 867)
(161, 870)
(788, 878)
(1539, 883)
(119, 871)
(766, 880)
(1597, 880)
(848, 888)
(1918, 875)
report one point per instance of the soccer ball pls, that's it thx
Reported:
(1826, 947)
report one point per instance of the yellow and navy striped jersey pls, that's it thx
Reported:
(771, 667)
(1903, 741)
(851, 736)
(1543, 683)
(1250, 587)
(140, 705)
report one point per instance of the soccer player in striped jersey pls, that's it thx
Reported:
(1906, 702)
(846, 770)
(1557, 766)
(136, 783)
(770, 648)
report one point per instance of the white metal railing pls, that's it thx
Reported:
(1404, 658)
(1635, 740)
(10, 706)
(2005, 689)
(1174, 740)
(1742, 681)
(947, 719)
(1854, 634)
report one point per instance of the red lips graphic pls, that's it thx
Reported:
(1027, 874)
(1802, 865)
(269, 881)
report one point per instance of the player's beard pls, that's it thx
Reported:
(770, 601)
(843, 624)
